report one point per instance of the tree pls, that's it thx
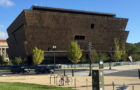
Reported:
(103, 56)
(1, 60)
(118, 52)
(74, 52)
(94, 56)
(134, 50)
(136, 56)
(24, 61)
(16, 61)
(83, 59)
(38, 56)
(123, 51)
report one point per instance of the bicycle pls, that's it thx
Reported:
(65, 80)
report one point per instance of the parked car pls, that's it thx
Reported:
(20, 69)
(44, 69)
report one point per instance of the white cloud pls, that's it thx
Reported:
(1, 27)
(3, 35)
(6, 3)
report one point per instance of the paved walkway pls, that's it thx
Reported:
(123, 75)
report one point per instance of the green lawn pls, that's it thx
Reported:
(4, 70)
(25, 86)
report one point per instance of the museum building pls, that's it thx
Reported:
(52, 30)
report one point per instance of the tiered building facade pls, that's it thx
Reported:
(44, 27)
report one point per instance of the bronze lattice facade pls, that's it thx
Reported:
(44, 27)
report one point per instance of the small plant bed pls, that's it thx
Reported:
(25, 86)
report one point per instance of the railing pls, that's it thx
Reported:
(82, 65)
(95, 65)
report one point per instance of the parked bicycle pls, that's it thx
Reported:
(65, 80)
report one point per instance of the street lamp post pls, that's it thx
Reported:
(54, 48)
(90, 46)
(110, 55)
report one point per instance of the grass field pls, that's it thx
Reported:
(25, 86)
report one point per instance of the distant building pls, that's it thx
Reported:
(3, 49)
(44, 27)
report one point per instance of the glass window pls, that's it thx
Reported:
(79, 37)
(92, 26)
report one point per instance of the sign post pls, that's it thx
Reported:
(101, 64)
(97, 80)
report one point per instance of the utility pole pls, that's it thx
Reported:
(111, 58)
(90, 46)
(54, 48)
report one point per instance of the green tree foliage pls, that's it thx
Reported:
(94, 56)
(16, 61)
(103, 56)
(134, 51)
(24, 61)
(133, 48)
(124, 57)
(74, 52)
(12, 61)
(38, 56)
(118, 53)
(138, 47)
(1, 60)
(136, 56)
(83, 60)
(123, 51)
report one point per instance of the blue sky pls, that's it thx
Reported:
(10, 9)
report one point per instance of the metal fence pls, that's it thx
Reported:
(82, 65)
(85, 83)
(96, 65)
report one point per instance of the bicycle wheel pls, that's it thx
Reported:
(61, 82)
(68, 80)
